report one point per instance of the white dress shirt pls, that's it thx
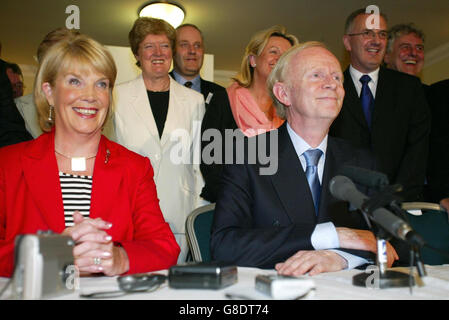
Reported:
(356, 75)
(196, 82)
(325, 235)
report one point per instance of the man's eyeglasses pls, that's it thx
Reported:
(370, 34)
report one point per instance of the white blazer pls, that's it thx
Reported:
(26, 107)
(178, 184)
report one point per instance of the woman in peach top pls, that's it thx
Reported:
(251, 105)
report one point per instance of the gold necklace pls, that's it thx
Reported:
(77, 163)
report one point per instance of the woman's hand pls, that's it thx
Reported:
(94, 251)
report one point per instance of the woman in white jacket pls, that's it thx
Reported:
(161, 119)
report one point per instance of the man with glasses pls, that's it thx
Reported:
(383, 110)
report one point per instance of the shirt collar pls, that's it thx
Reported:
(356, 74)
(196, 82)
(301, 145)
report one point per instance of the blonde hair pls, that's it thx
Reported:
(279, 72)
(144, 26)
(255, 48)
(81, 51)
(53, 37)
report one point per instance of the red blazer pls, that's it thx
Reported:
(123, 193)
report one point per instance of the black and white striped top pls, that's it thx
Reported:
(76, 192)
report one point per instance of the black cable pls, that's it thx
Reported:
(115, 294)
(137, 283)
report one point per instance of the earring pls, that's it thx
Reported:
(50, 114)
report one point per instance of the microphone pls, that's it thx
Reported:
(343, 188)
(365, 177)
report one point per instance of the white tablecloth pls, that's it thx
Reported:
(328, 286)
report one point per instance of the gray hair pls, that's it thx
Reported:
(402, 29)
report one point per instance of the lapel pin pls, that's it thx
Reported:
(108, 153)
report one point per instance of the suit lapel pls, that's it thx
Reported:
(352, 102)
(42, 178)
(290, 182)
(142, 106)
(176, 104)
(206, 90)
(108, 174)
(330, 167)
(384, 97)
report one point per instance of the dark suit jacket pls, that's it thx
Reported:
(12, 126)
(261, 220)
(400, 129)
(438, 166)
(218, 116)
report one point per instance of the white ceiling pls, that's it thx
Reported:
(227, 24)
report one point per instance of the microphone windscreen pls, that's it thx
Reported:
(365, 177)
(339, 187)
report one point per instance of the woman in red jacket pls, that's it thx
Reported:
(74, 181)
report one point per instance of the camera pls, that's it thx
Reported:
(44, 266)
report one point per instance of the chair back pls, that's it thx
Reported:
(433, 226)
(198, 228)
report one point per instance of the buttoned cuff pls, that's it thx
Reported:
(325, 237)
(352, 260)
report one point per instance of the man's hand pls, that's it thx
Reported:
(445, 204)
(312, 262)
(363, 240)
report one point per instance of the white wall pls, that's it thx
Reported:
(436, 65)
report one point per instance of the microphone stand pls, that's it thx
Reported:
(385, 278)
(415, 250)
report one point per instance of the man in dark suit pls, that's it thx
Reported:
(12, 126)
(287, 218)
(405, 53)
(438, 168)
(188, 60)
(383, 110)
